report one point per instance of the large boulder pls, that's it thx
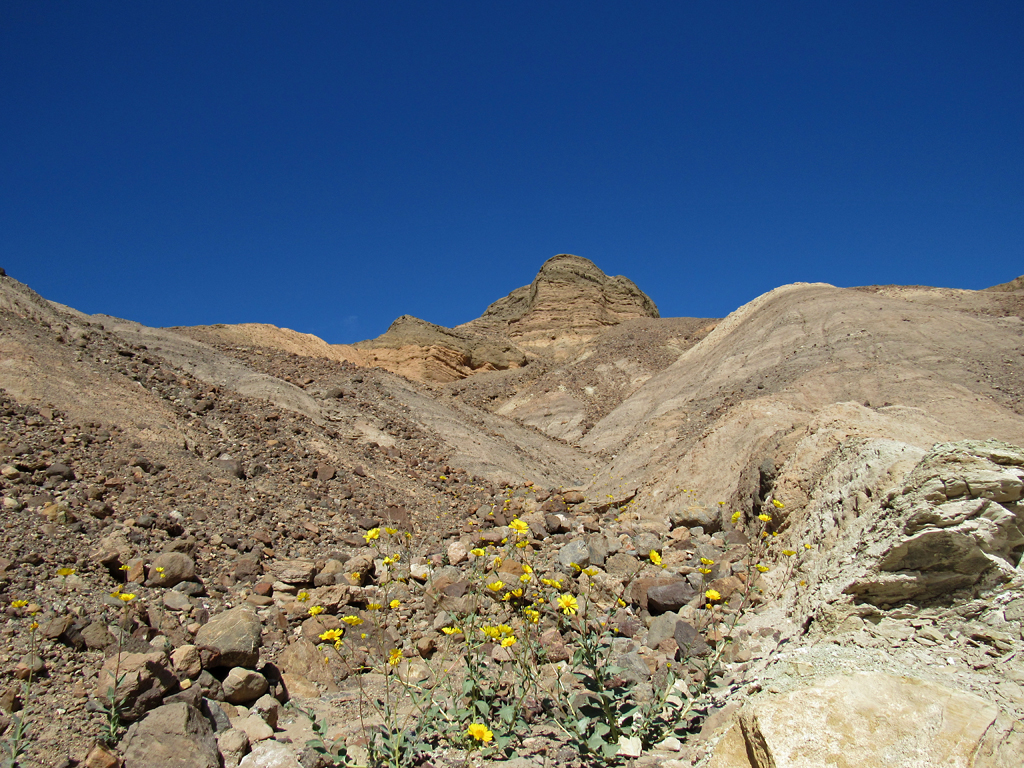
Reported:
(237, 636)
(137, 682)
(864, 720)
(172, 736)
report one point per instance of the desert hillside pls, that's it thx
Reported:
(792, 535)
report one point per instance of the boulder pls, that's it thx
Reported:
(172, 736)
(864, 719)
(236, 634)
(141, 679)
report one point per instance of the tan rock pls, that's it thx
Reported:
(865, 719)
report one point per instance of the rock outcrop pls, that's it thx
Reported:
(570, 301)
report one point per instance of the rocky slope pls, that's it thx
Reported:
(219, 473)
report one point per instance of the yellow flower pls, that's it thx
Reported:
(764, 517)
(394, 657)
(478, 552)
(515, 593)
(451, 630)
(762, 568)
(523, 544)
(34, 626)
(705, 561)
(524, 578)
(788, 552)
(621, 602)
(532, 615)
(332, 635)
(519, 527)
(19, 603)
(395, 603)
(65, 572)
(575, 567)
(590, 571)
(655, 557)
(552, 583)
(316, 610)
(126, 597)
(807, 546)
(778, 504)
(160, 570)
(736, 516)
(495, 586)
(492, 632)
(390, 531)
(370, 535)
(568, 604)
(302, 597)
(356, 575)
(508, 641)
(352, 621)
(712, 595)
(123, 568)
(705, 571)
(374, 606)
(527, 568)
(480, 732)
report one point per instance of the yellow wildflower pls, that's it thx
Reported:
(706, 561)
(568, 604)
(19, 603)
(316, 610)
(764, 518)
(762, 568)
(370, 535)
(736, 516)
(352, 621)
(395, 603)
(374, 606)
(522, 544)
(478, 552)
(492, 632)
(302, 597)
(532, 615)
(524, 578)
(480, 732)
(331, 635)
(807, 546)
(390, 531)
(778, 504)
(495, 586)
(590, 571)
(527, 568)
(126, 597)
(712, 595)
(788, 552)
(705, 571)
(575, 567)
(451, 630)
(123, 568)
(65, 572)
(508, 641)
(519, 527)
(394, 657)
(655, 557)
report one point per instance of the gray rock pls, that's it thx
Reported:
(236, 634)
(645, 541)
(669, 597)
(690, 641)
(172, 736)
(270, 754)
(662, 628)
(575, 552)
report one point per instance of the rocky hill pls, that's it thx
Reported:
(810, 512)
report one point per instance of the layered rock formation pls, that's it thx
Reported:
(570, 301)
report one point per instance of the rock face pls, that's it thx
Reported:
(570, 300)
(960, 519)
(867, 719)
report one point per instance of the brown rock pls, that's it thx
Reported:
(172, 736)
(236, 635)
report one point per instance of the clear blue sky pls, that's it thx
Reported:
(328, 166)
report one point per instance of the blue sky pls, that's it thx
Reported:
(328, 166)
